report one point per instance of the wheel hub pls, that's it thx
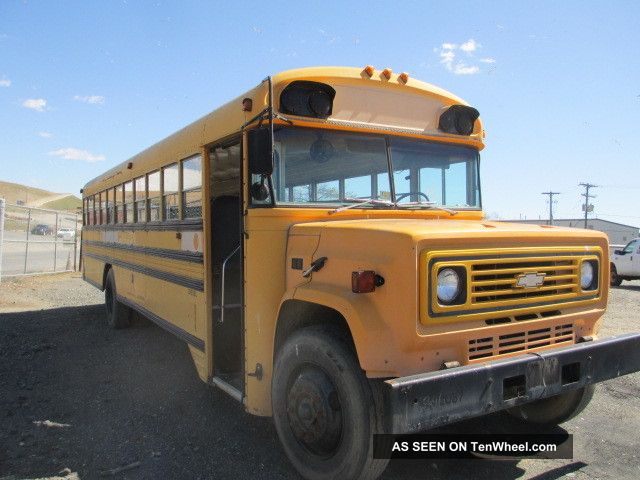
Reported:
(314, 411)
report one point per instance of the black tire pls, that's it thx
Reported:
(324, 409)
(554, 410)
(118, 314)
(615, 278)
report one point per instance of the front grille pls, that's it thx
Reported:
(492, 346)
(496, 280)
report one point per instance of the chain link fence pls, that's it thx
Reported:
(36, 241)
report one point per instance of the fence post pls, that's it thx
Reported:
(75, 244)
(55, 246)
(26, 248)
(2, 205)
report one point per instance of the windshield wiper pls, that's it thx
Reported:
(428, 206)
(361, 202)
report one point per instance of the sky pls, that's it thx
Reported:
(86, 85)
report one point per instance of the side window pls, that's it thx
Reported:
(90, 210)
(128, 202)
(631, 246)
(192, 187)
(171, 187)
(154, 196)
(141, 199)
(119, 205)
(85, 211)
(103, 207)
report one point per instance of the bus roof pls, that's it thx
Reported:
(228, 119)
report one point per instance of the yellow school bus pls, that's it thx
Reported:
(319, 243)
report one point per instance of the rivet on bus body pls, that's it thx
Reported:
(369, 70)
(403, 77)
(247, 105)
(386, 73)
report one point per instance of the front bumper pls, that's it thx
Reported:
(424, 401)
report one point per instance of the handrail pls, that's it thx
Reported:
(222, 280)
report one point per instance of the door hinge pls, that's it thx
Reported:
(257, 373)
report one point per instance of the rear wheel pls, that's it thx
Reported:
(615, 278)
(325, 410)
(118, 314)
(554, 410)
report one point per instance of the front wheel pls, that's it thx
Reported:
(615, 278)
(325, 410)
(554, 410)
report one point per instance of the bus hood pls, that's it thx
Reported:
(462, 233)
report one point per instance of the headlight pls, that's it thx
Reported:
(586, 275)
(448, 285)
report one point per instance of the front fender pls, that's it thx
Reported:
(373, 337)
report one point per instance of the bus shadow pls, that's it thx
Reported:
(132, 398)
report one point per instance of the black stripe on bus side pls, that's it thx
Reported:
(161, 322)
(169, 277)
(185, 256)
(179, 226)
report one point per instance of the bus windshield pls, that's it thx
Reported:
(317, 166)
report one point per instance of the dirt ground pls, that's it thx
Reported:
(81, 401)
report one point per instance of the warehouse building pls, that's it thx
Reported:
(618, 233)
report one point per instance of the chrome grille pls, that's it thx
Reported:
(494, 280)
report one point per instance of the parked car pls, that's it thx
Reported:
(42, 229)
(625, 263)
(66, 233)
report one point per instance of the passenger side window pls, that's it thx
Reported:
(128, 202)
(192, 187)
(141, 200)
(155, 196)
(171, 187)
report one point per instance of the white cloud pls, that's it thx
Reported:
(77, 154)
(5, 82)
(45, 134)
(93, 99)
(462, 69)
(470, 46)
(37, 104)
(449, 57)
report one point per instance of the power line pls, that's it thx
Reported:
(586, 196)
(551, 194)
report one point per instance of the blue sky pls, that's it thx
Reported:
(85, 85)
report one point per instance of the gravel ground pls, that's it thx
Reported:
(127, 404)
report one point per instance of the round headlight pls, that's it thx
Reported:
(586, 275)
(448, 285)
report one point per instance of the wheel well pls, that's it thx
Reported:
(107, 267)
(297, 314)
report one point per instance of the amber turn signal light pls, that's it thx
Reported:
(369, 70)
(386, 73)
(365, 281)
(403, 77)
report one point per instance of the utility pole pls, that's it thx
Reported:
(551, 194)
(587, 196)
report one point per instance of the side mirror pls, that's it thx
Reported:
(260, 151)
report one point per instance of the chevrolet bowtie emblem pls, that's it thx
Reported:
(530, 280)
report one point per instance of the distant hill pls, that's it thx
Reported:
(37, 197)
